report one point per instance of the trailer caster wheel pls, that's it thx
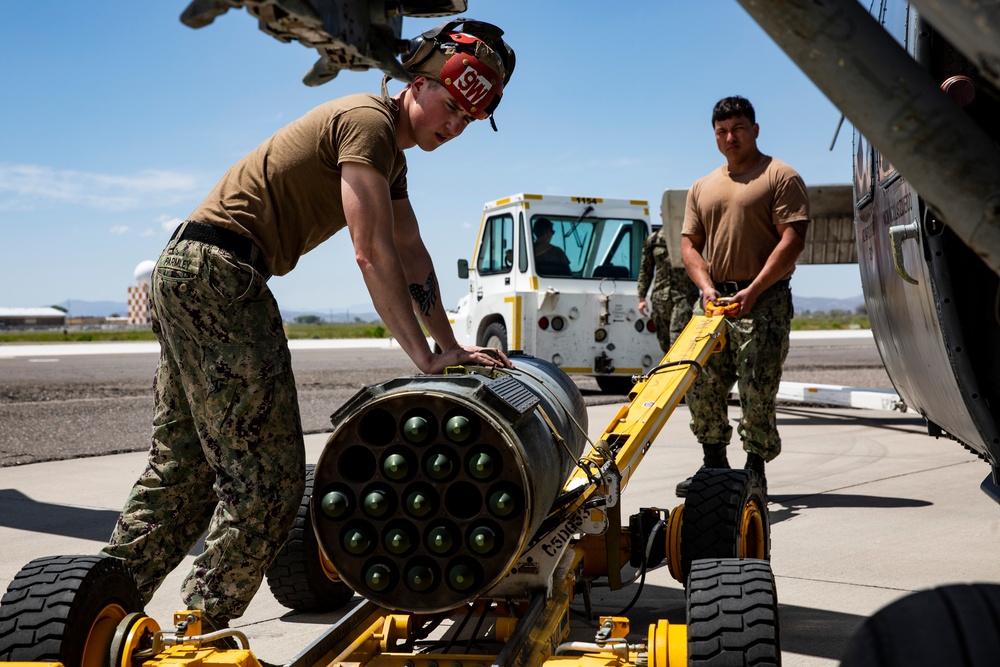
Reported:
(667, 645)
(725, 516)
(674, 553)
(732, 614)
(66, 609)
(133, 634)
(301, 577)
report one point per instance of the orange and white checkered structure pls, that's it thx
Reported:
(138, 304)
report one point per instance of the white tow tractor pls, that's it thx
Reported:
(583, 317)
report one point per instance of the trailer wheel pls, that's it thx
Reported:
(614, 384)
(725, 516)
(134, 633)
(732, 614)
(948, 625)
(66, 609)
(301, 577)
(495, 335)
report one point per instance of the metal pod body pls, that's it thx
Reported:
(431, 486)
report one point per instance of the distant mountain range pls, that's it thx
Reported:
(819, 304)
(76, 308)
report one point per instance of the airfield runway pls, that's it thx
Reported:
(864, 506)
(64, 401)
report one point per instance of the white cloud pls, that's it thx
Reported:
(120, 229)
(26, 186)
(169, 223)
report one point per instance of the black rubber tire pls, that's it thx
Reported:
(614, 384)
(955, 625)
(50, 607)
(732, 614)
(713, 511)
(495, 331)
(296, 576)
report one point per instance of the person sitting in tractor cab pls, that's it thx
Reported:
(550, 260)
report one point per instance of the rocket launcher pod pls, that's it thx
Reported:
(431, 486)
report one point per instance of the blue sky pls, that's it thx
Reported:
(117, 120)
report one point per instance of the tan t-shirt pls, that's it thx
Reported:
(286, 193)
(738, 216)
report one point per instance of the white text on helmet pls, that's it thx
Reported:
(472, 85)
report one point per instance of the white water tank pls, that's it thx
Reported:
(144, 271)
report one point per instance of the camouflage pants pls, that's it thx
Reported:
(755, 350)
(227, 453)
(672, 308)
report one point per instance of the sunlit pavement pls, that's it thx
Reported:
(864, 508)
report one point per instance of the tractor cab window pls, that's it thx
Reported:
(591, 248)
(496, 247)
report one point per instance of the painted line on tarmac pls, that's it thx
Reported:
(832, 333)
(40, 352)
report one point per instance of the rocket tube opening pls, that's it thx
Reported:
(356, 464)
(483, 463)
(443, 538)
(420, 500)
(399, 464)
(463, 500)
(377, 427)
(463, 574)
(461, 426)
(441, 463)
(485, 537)
(336, 502)
(418, 427)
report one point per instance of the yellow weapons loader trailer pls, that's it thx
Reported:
(468, 509)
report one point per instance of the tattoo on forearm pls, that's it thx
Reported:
(425, 295)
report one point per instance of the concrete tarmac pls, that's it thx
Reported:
(864, 508)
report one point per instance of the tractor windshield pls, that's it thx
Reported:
(588, 247)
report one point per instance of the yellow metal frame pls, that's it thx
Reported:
(654, 398)
(370, 636)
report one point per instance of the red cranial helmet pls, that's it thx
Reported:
(474, 63)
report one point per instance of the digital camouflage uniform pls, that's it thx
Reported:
(227, 452)
(674, 293)
(738, 219)
(754, 353)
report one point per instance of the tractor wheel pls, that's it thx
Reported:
(732, 614)
(725, 516)
(301, 577)
(66, 609)
(614, 384)
(495, 335)
(950, 625)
